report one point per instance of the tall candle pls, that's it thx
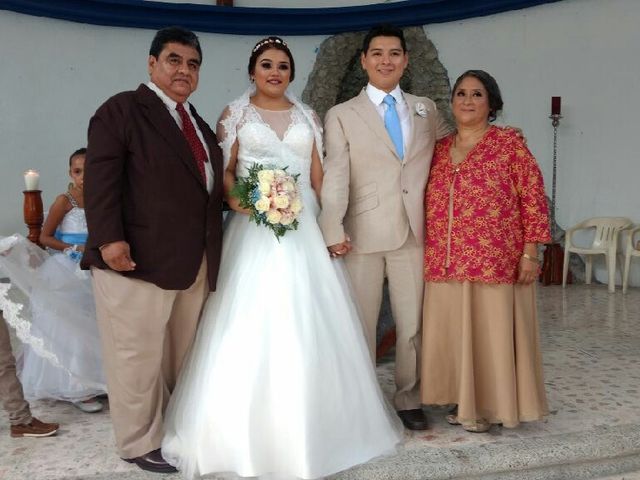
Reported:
(31, 180)
(555, 105)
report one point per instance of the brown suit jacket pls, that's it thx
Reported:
(142, 185)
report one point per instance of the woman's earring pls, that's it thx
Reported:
(251, 79)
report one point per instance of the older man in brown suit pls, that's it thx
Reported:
(378, 152)
(153, 201)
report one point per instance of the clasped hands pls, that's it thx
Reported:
(340, 249)
(117, 256)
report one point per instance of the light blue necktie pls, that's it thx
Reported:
(392, 123)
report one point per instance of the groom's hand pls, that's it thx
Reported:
(519, 133)
(340, 249)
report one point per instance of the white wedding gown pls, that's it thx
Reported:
(279, 382)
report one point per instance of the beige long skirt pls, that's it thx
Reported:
(481, 351)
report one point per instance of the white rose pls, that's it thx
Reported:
(281, 201)
(273, 216)
(266, 176)
(264, 187)
(279, 173)
(288, 187)
(263, 204)
(296, 205)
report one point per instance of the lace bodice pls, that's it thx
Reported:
(258, 142)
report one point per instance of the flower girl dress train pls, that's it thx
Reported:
(52, 309)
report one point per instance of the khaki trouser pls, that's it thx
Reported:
(146, 333)
(11, 393)
(403, 269)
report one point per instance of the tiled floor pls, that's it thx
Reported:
(591, 347)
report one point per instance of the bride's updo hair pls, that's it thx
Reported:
(269, 43)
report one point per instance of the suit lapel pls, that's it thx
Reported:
(411, 105)
(160, 118)
(214, 157)
(367, 111)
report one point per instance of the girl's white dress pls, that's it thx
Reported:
(52, 309)
(279, 382)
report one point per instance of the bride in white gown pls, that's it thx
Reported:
(279, 382)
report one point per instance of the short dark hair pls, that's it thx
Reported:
(80, 151)
(269, 43)
(177, 35)
(490, 85)
(383, 30)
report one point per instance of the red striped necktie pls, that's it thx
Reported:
(199, 153)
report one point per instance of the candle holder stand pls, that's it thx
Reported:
(551, 273)
(33, 214)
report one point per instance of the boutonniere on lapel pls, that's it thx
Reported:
(421, 109)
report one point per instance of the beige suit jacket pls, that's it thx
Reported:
(368, 193)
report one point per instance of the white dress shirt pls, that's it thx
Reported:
(171, 106)
(377, 96)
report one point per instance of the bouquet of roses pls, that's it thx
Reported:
(272, 196)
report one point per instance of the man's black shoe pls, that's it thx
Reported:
(152, 462)
(414, 419)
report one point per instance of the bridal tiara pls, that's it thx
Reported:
(267, 41)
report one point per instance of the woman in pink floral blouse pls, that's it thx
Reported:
(486, 212)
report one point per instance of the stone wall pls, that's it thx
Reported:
(338, 76)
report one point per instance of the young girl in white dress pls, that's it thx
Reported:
(279, 382)
(61, 358)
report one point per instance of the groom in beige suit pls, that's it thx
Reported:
(376, 170)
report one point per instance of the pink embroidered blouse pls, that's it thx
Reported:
(498, 204)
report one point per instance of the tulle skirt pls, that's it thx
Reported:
(52, 309)
(280, 382)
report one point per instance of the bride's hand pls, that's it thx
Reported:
(340, 249)
(234, 204)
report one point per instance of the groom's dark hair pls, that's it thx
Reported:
(383, 30)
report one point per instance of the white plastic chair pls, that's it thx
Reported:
(632, 250)
(604, 243)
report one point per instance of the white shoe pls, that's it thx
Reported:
(89, 406)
